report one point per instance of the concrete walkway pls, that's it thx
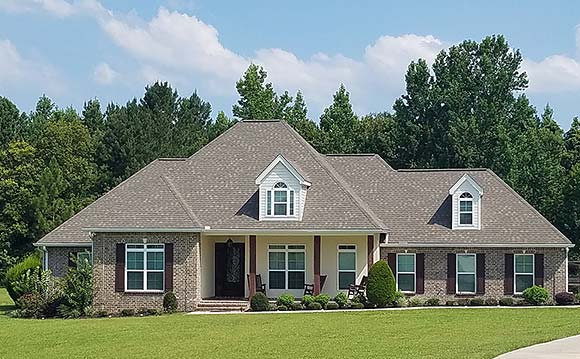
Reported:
(566, 348)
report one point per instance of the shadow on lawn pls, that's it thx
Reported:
(4, 309)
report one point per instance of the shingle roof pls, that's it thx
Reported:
(215, 188)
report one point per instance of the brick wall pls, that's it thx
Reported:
(185, 271)
(58, 258)
(436, 268)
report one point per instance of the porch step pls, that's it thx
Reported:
(222, 306)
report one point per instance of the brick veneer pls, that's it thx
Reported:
(58, 258)
(186, 269)
(436, 268)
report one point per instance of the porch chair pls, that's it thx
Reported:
(260, 287)
(309, 288)
(358, 289)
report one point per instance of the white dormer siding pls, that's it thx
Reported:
(466, 215)
(282, 177)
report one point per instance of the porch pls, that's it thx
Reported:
(230, 263)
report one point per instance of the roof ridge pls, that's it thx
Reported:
(212, 142)
(479, 169)
(337, 178)
(181, 201)
(521, 199)
(349, 154)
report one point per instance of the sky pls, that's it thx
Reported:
(76, 50)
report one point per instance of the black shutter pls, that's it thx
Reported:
(120, 268)
(480, 273)
(392, 260)
(539, 269)
(508, 282)
(451, 273)
(420, 270)
(168, 267)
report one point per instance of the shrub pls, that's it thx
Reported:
(259, 302)
(476, 302)
(451, 303)
(356, 305)
(506, 301)
(536, 295)
(415, 302)
(154, 311)
(31, 306)
(341, 299)
(432, 302)
(282, 308)
(577, 296)
(17, 279)
(359, 298)
(314, 306)
(170, 302)
(78, 291)
(100, 314)
(323, 299)
(127, 312)
(297, 306)
(44, 297)
(332, 306)
(462, 302)
(307, 299)
(381, 285)
(286, 300)
(492, 302)
(564, 298)
(400, 302)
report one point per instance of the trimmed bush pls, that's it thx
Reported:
(17, 279)
(564, 298)
(297, 306)
(432, 302)
(127, 312)
(451, 303)
(400, 302)
(281, 308)
(323, 299)
(341, 299)
(506, 301)
(314, 306)
(307, 299)
(381, 286)
(78, 291)
(332, 306)
(415, 302)
(476, 302)
(492, 302)
(170, 302)
(259, 302)
(286, 300)
(536, 295)
(356, 305)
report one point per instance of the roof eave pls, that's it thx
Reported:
(476, 245)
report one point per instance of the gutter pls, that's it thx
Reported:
(88, 244)
(476, 245)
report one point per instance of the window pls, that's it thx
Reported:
(466, 209)
(346, 265)
(406, 272)
(466, 274)
(84, 256)
(281, 200)
(286, 266)
(144, 267)
(523, 272)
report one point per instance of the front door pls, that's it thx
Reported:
(229, 269)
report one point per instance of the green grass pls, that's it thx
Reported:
(432, 333)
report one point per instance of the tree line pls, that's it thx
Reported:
(468, 109)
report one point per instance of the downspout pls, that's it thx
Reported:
(567, 250)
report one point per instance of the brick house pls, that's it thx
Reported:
(260, 200)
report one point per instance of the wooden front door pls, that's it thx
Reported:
(229, 269)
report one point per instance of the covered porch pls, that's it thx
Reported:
(285, 262)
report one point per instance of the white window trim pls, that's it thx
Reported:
(338, 270)
(144, 270)
(470, 199)
(474, 273)
(533, 274)
(414, 273)
(290, 197)
(286, 250)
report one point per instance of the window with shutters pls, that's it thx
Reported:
(286, 266)
(466, 209)
(523, 272)
(465, 274)
(280, 201)
(144, 267)
(406, 272)
(346, 265)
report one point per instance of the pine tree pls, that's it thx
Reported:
(339, 125)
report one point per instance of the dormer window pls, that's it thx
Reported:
(281, 199)
(466, 209)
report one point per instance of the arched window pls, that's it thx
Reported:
(280, 200)
(466, 209)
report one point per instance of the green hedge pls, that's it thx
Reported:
(381, 286)
(16, 280)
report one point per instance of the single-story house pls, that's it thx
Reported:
(259, 200)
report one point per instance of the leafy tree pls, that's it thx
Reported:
(377, 135)
(339, 125)
(10, 122)
(93, 118)
(297, 116)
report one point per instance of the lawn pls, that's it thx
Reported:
(433, 333)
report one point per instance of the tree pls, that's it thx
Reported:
(10, 122)
(221, 124)
(190, 132)
(339, 125)
(258, 100)
(377, 135)
(297, 117)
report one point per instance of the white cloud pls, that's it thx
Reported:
(59, 8)
(104, 74)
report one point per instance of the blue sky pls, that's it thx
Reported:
(74, 50)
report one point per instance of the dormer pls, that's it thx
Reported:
(466, 204)
(282, 191)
